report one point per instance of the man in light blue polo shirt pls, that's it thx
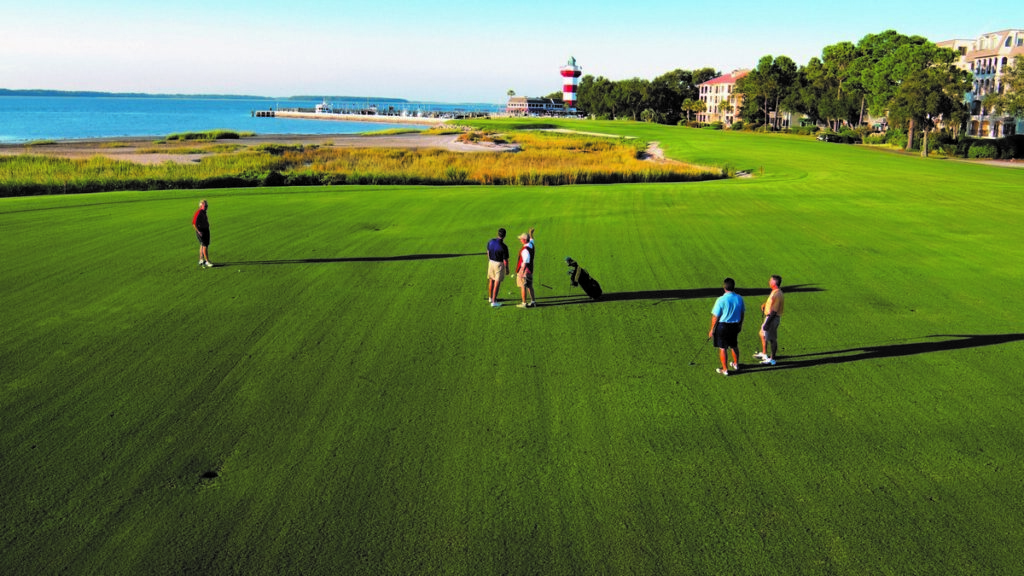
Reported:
(726, 324)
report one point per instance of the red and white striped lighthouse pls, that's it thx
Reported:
(570, 74)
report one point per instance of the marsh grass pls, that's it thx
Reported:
(477, 136)
(542, 159)
(209, 135)
(391, 132)
(192, 149)
(444, 130)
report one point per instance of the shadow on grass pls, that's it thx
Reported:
(667, 295)
(408, 257)
(961, 341)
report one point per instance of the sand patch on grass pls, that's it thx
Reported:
(132, 149)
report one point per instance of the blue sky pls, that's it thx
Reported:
(441, 50)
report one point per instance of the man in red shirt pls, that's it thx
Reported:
(524, 271)
(201, 224)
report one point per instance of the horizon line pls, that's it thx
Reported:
(91, 93)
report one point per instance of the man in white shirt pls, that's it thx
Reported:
(524, 270)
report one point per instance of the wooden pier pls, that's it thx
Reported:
(422, 121)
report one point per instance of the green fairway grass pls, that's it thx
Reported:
(336, 396)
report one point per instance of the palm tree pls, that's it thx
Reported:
(690, 105)
(725, 107)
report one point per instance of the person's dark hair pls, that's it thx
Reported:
(778, 280)
(729, 284)
(501, 232)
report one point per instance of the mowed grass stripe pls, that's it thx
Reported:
(365, 411)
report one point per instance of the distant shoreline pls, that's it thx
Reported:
(95, 94)
(294, 98)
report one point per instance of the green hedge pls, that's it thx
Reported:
(850, 136)
(983, 151)
(803, 130)
(1006, 148)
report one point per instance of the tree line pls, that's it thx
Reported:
(663, 100)
(908, 80)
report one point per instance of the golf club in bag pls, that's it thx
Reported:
(579, 277)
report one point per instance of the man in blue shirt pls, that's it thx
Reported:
(497, 266)
(726, 324)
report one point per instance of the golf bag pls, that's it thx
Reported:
(579, 277)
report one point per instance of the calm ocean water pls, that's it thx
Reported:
(28, 118)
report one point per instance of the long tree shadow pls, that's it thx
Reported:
(408, 257)
(890, 351)
(667, 295)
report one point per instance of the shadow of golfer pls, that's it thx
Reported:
(669, 295)
(408, 257)
(961, 342)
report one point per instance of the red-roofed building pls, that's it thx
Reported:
(718, 90)
(986, 57)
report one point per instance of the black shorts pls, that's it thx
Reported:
(727, 335)
(203, 237)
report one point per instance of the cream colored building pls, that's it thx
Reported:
(718, 90)
(523, 106)
(986, 58)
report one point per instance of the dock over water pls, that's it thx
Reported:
(422, 114)
(350, 117)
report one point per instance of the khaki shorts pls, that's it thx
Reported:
(771, 329)
(524, 280)
(495, 271)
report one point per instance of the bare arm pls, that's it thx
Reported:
(714, 322)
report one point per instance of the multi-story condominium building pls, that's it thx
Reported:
(718, 90)
(986, 58)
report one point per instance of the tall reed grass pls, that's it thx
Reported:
(210, 135)
(542, 159)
